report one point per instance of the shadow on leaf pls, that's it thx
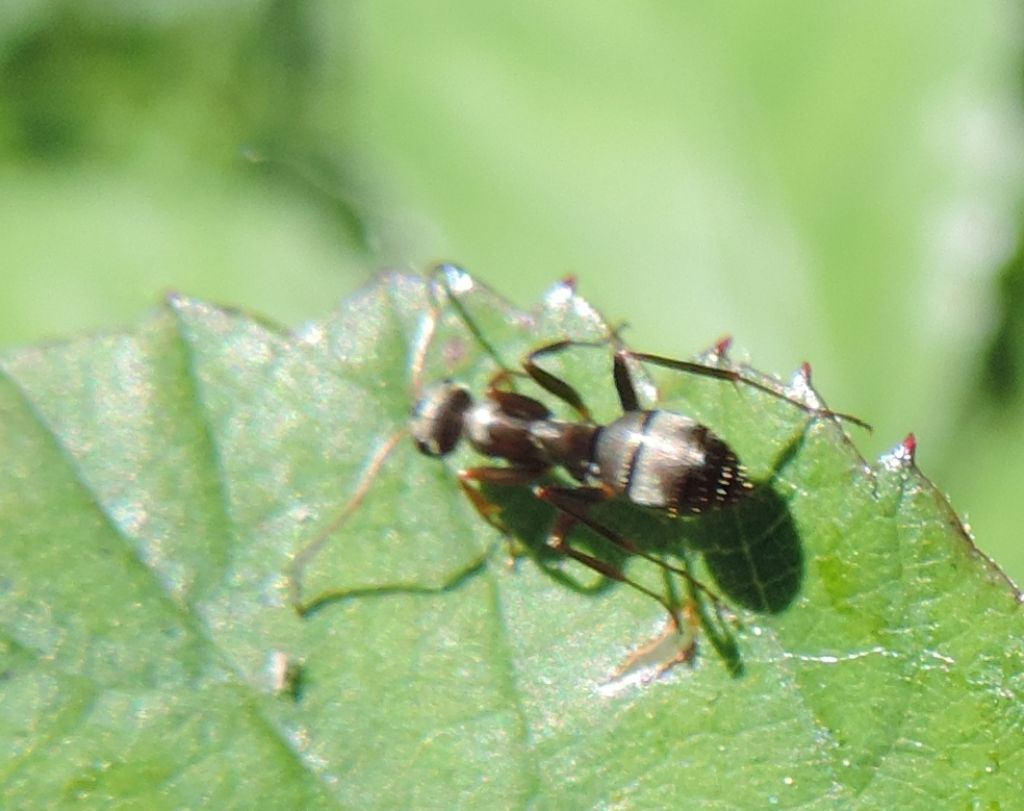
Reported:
(753, 552)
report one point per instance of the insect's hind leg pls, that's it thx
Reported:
(682, 626)
(558, 540)
(575, 501)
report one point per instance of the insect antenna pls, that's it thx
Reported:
(443, 286)
(736, 376)
(728, 374)
(443, 276)
(379, 457)
(305, 555)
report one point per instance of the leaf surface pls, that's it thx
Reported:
(159, 483)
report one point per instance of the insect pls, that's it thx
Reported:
(653, 458)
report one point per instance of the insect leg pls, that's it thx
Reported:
(575, 501)
(499, 476)
(558, 541)
(553, 384)
(624, 384)
(623, 379)
(653, 652)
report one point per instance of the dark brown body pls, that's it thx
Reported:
(656, 459)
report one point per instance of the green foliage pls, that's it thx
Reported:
(159, 482)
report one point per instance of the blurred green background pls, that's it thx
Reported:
(839, 182)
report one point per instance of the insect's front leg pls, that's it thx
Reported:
(489, 509)
(470, 480)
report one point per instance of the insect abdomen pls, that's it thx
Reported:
(667, 461)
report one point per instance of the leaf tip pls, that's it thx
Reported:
(454, 278)
(179, 302)
(903, 456)
(910, 446)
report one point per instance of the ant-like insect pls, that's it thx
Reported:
(653, 458)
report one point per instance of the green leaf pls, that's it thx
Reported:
(158, 485)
